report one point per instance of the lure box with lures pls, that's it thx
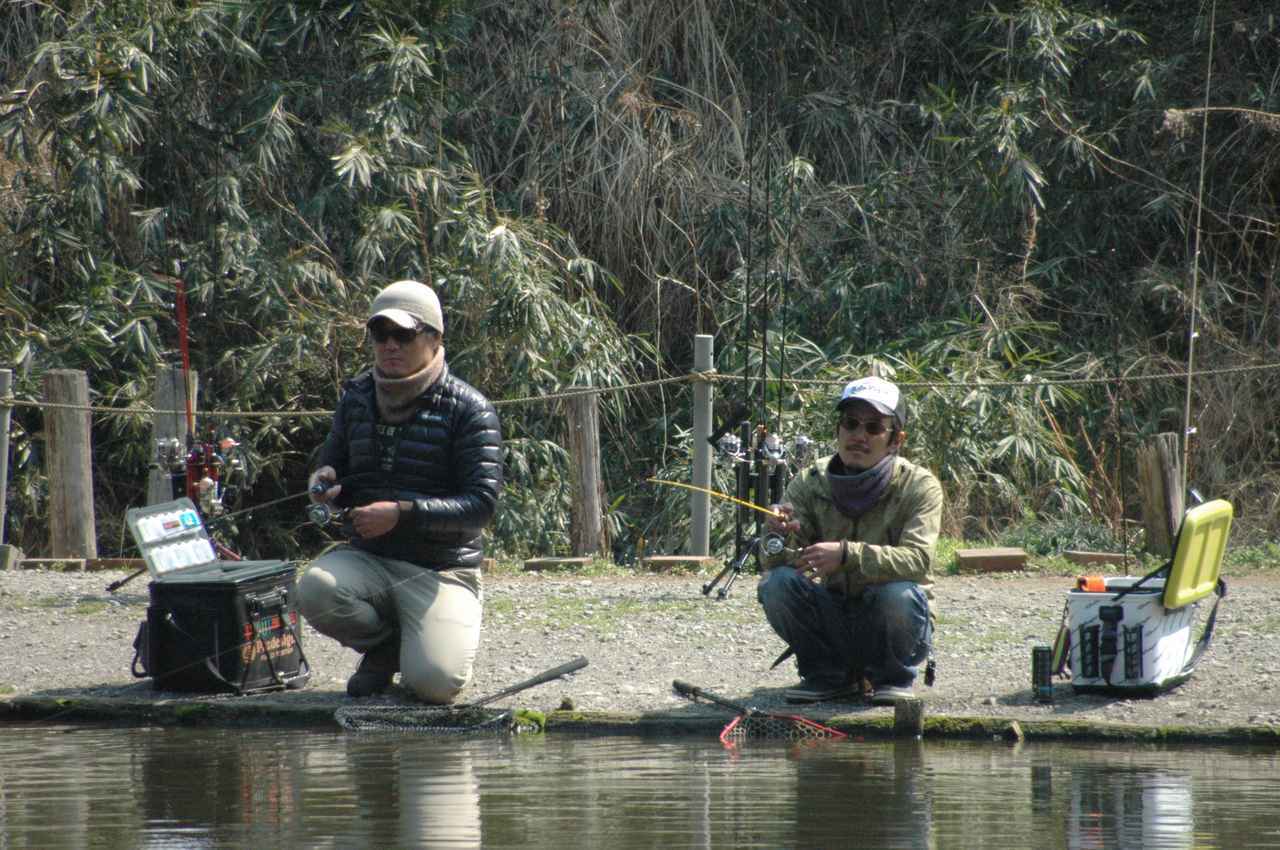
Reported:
(213, 625)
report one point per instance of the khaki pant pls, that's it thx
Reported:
(359, 600)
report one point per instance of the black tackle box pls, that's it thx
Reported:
(213, 625)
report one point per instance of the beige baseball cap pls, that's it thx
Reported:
(409, 304)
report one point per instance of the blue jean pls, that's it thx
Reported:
(883, 634)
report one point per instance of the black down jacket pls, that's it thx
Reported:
(448, 462)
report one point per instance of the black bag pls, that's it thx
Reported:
(225, 626)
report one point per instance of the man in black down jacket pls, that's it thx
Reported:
(415, 455)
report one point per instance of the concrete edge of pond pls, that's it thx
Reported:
(280, 711)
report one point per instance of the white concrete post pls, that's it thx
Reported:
(703, 397)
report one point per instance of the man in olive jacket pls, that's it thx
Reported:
(852, 602)
(414, 454)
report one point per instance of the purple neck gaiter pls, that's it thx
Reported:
(855, 494)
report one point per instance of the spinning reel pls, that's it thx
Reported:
(762, 467)
(212, 472)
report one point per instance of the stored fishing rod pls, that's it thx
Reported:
(761, 468)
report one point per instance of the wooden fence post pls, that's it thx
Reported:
(170, 395)
(72, 532)
(6, 386)
(586, 528)
(1163, 502)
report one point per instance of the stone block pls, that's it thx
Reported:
(994, 560)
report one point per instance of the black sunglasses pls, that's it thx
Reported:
(384, 331)
(873, 427)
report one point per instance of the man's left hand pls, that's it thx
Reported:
(821, 560)
(375, 519)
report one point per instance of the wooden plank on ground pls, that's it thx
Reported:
(1092, 558)
(998, 559)
(62, 565)
(668, 563)
(539, 564)
(95, 564)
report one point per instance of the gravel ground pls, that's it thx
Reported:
(62, 634)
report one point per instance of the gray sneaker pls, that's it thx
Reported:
(821, 690)
(890, 694)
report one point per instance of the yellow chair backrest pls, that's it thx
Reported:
(1198, 559)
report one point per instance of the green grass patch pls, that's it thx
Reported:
(192, 711)
(83, 607)
(6, 689)
(1264, 556)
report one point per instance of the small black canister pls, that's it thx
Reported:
(1042, 673)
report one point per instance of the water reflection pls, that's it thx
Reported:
(153, 788)
(1118, 807)
(893, 806)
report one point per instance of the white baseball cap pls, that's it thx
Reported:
(877, 392)
(409, 304)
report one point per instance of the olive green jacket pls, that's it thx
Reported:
(894, 541)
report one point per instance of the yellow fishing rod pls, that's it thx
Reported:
(720, 495)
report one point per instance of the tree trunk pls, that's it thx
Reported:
(72, 531)
(168, 432)
(1163, 503)
(587, 531)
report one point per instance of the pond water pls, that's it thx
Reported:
(77, 786)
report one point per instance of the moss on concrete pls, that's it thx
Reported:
(278, 710)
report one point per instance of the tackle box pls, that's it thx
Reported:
(213, 625)
(1133, 634)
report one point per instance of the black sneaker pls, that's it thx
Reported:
(890, 694)
(378, 667)
(821, 690)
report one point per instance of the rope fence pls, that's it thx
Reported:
(692, 377)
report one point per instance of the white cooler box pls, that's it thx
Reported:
(1129, 643)
(1133, 636)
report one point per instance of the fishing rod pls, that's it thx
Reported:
(770, 544)
(719, 495)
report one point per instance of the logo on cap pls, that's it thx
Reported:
(879, 393)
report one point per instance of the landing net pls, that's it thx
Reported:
(443, 720)
(775, 727)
